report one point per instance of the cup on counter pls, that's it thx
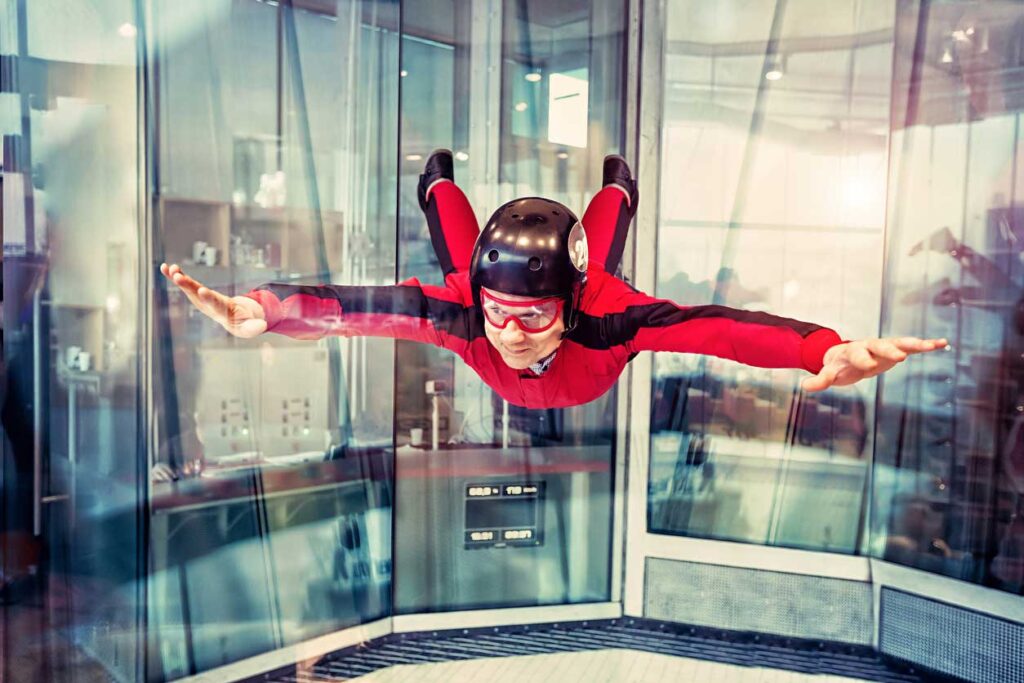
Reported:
(416, 436)
(210, 256)
(199, 251)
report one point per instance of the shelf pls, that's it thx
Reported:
(292, 233)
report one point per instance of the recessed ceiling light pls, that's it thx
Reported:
(533, 77)
(414, 157)
(403, 73)
(461, 156)
(127, 30)
(521, 106)
(775, 67)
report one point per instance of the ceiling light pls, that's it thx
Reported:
(461, 156)
(533, 77)
(403, 73)
(775, 67)
(127, 30)
(562, 155)
(521, 106)
(947, 56)
(414, 157)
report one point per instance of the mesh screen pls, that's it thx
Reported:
(949, 639)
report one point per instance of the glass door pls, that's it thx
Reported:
(74, 480)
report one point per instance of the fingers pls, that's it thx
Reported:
(823, 380)
(884, 348)
(186, 284)
(211, 303)
(217, 302)
(916, 345)
(175, 274)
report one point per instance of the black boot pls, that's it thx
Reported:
(616, 172)
(439, 166)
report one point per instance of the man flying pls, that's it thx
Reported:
(532, 305)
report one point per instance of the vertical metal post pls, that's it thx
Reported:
(650, 115)
(630, 150)
(37, 415)
(504, 423)
(72, 446)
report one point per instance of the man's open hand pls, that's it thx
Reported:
(239, 315)
(853, 361)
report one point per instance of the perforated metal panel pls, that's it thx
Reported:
(951, 640)
(755, 600)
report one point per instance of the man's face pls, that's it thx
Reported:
(519, 348)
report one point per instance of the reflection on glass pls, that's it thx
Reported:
(271, 491)
(71, 539)
(949, 472)
(772, 184)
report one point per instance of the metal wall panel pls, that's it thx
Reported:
(784, 604)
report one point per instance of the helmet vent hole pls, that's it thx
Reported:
(515, 215)
(534, 263)
(556, 213)
(492, 256)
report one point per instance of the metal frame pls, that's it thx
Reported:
(650, 66)
(624, 387)
(753, 556)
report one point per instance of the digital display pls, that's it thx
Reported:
(504, 514)
(499, 513)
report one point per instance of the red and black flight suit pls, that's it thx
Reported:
(615, 321)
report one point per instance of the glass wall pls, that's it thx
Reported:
(488, 80)
(949, 471)
(73, 536)
(792, 134)
(773, 162)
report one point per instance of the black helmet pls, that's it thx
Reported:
(532, 247)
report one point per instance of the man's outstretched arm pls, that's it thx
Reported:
(409, 310)
(644, 323)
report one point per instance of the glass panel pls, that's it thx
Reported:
(949, 474)
(514, 506)
(272, 482)
(73, 481)
(773, 159)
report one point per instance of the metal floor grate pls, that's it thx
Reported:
(727, 647)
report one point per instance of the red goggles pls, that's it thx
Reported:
(534, 315)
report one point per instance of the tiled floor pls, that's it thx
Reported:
(595, 666)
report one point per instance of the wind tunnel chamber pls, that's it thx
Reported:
(192, 502)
